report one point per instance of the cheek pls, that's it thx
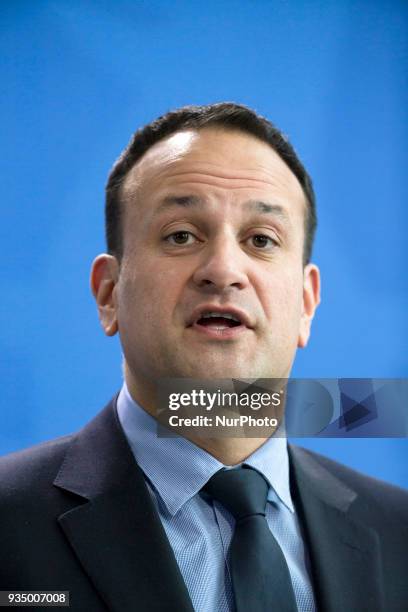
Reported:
(282, 297)
(150, 292)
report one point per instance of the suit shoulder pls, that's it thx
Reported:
(374, 491)
(26, 469)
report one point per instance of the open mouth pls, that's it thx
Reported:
(214, 322)
(218, 321)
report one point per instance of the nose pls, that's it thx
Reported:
(222, 266)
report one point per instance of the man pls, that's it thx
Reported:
(210, 218)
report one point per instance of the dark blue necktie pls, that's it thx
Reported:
(260, 576)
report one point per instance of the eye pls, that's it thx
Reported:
(180, 238)
(260, 241)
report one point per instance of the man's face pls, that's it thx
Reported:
(211, 283)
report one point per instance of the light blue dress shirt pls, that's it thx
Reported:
(199, 530)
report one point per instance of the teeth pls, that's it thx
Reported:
(224, 315)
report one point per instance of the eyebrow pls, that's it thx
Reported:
(192, 201)
(188, 201)
(265, 207)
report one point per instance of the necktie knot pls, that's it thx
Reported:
(243, 491)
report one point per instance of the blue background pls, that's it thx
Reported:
(79, 77)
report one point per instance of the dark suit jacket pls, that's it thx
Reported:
(75, 514)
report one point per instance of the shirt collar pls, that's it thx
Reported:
(178, 469)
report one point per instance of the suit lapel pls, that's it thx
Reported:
(344, 553)
(114, 529)
(118, 538)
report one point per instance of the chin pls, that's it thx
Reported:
(220, 369)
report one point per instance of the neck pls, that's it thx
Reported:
(228, 450)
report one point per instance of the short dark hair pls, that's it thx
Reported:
(227, 115)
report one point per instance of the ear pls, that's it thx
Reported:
(104, 278)
(311, 300)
